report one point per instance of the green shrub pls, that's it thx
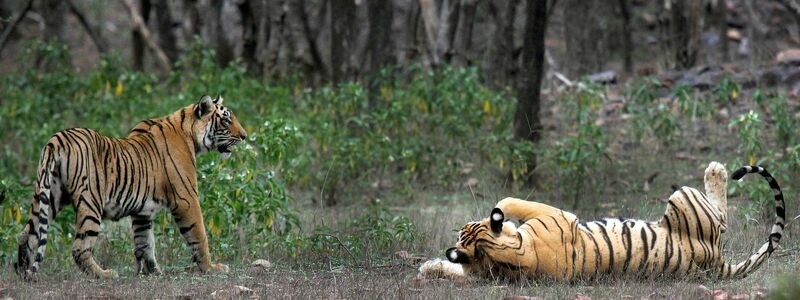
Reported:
(578, 154)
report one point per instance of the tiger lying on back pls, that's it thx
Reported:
(552, 243)
(103, 177)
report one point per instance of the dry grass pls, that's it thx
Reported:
(293, 279)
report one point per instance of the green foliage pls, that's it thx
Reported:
(690, 104)
(748, 127)
(727, 92)
(578, 155)
(406, 129)
(655, 114)
(782, 120)
(247, 192)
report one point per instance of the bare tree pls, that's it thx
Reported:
(304, 49)
(527, 123)
(406, 19)
(137, 42)
(166, 36)
(463, 39)
(380, 26)
(253, 26)
(721, 22)
(584, 36)
(10, 28)
(500, 54)
(448, 20)
(53, 12)
(223, 47)
(343, 15)
(685, 31)
(273, 35)
(627, 35)
(141, 26)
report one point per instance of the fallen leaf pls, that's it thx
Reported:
(261, 263)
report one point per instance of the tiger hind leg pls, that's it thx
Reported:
(716, 184)
(87, 230)
(28, 242)
(145, 246)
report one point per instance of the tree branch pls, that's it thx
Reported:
(142, 27)
(7, 32)
(98, 40)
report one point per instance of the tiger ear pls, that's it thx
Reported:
(205, 106)
(457, 257)
(219, 100)
(496, 220)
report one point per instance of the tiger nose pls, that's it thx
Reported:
(243, 135)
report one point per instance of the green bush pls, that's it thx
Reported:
(578, 155)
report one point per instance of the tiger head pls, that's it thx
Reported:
(216, 127)
(486, 246)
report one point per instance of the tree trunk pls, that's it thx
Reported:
(448, 21)
(274, 35)
(249, 9)
(627, 33)
(380, 26)
(685, 32)
(721, 22)
(223, 47)
(91, 29)
(137, 40)
(304, 50)
(404, 28)
(499, 63)
(192, 12)
(463, 39)
(793, 7)
(583, 36)
(527, 124)
(53, 12)
(166, 37)
(343, 15)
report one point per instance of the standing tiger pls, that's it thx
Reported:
(111, 178)
(552, 243)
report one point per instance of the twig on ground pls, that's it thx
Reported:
(341, 244)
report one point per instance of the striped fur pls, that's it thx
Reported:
(111, 178)
(553, 243)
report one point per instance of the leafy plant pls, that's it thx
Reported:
(748, 127)
(655, 114)
(579, 154)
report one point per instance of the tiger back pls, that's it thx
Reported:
(153, 167)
